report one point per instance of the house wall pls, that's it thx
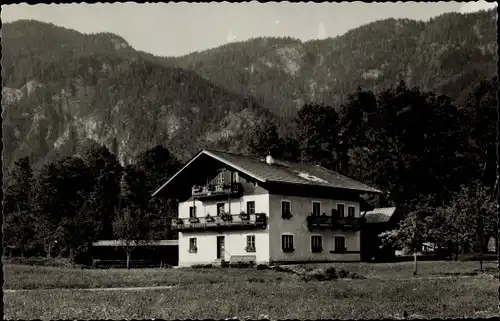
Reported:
(301, 207)
(235, 241)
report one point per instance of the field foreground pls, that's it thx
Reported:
(388, 291)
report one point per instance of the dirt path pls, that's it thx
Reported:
(144, 288)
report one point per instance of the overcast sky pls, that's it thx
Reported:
(179, 28)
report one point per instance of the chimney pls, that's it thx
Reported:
(269, 160)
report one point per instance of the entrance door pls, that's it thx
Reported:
(220, 247)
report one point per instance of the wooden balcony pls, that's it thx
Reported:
(214, 191)
(223, 222)
(334, 223)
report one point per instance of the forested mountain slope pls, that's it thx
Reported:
(66, 89)
(62, 89)
(445, 54)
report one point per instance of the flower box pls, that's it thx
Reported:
(286, 215)
(244, 216)
(250, 249)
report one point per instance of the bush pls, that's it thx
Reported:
(343, 274)
(262, 267)
(278, 268)
(331, 271)
(320, 275)
(242, 265)
(202, 266)
(329, 274)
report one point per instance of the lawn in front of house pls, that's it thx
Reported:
(18, 276)
(48, 277)
(284, 299)
(405, 269)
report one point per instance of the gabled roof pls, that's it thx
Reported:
(281, 172)
(380, 215)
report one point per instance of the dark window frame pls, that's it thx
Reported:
(316, 247)
(287, 243)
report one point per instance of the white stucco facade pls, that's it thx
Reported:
(268, 242)
(235, 242)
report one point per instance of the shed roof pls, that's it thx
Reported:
(380, 215)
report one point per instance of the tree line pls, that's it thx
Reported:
(68, 204)
(434, 158)
(428, 153)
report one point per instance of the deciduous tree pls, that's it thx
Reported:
(131, 227)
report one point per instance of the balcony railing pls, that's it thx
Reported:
(223, 222)
(332, 222)
(210, 191)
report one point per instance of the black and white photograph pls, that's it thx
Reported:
(250, 161)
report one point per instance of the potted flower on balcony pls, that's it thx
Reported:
(226, 217)
(260, 218)
(211, 187)
(180, 221)
(250, 248)
(193, 249)
(209, 218)
(194, 220)
(197, 188)
(244, 216)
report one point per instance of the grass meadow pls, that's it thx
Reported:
(387, 291)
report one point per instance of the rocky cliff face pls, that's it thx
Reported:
(63, 90)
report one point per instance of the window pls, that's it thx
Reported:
(286, 210)
(316, 243)
(251, 207)
(192, 245)
(220, 208)
(250, 243)
(340, 244)
(350, 211)
(287, 243)
(236, 178)
(316, 208)
(340, 209)
(192, 211)
(220, 178)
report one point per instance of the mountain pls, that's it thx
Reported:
(445, 54)
(69, 90)
(62, 89)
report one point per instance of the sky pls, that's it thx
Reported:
(173, 29)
